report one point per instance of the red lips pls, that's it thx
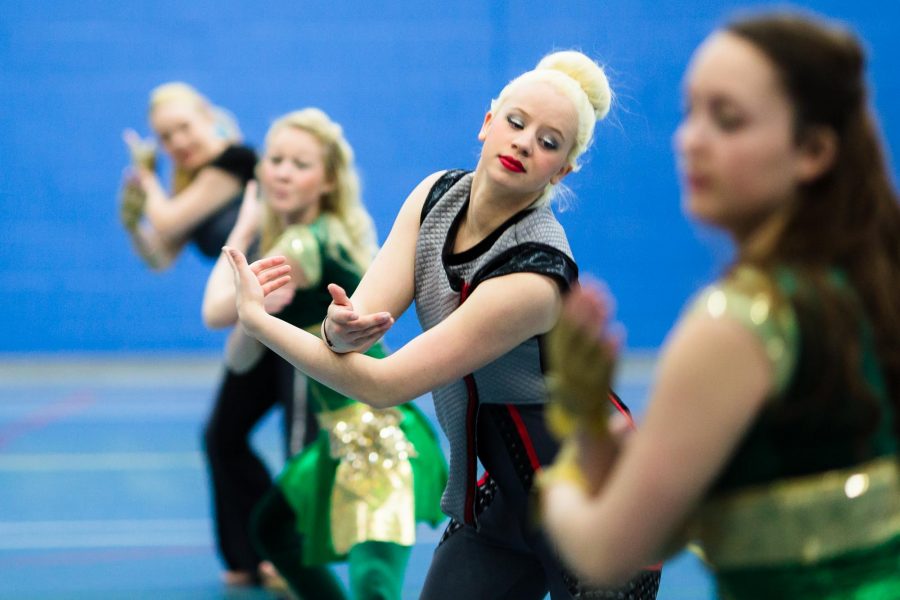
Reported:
(511, 164)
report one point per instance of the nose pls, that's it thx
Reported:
(522, 143)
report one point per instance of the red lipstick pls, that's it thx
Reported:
(511, 164)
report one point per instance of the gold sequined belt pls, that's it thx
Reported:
(802, 520)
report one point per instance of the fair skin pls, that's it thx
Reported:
(500, 314)
(187, 135)
(741, 166)
(293, 180)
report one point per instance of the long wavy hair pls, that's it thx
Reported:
(344, 200)
(846, 220)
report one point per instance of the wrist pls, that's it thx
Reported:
(328, 341)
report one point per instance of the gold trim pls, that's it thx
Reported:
(802, 520)
(373, 497)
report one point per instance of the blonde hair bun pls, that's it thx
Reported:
(589, 75)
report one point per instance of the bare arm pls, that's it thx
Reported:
(173, 218)
(712, 381)
(242, 352)
(388, 286)
(499, 315)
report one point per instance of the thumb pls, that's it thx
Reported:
(339, 296)
(236, 259)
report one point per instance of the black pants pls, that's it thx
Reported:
(239, 477)
(505, 555)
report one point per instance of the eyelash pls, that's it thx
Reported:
(546, 143)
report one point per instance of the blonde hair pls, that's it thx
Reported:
(225, 123)
(583, 82)
(343, 201)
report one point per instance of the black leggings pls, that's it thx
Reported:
(506, 556)
(239, 477)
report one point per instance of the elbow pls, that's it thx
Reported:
(213, 319)
(604, 569)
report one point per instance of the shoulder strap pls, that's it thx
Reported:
(440, 187)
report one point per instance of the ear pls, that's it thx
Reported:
(818, 151)
(565, 170)
(485, 126)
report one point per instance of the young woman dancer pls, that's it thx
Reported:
(487, 263)
(210, 168)
(792, 358)
(356, 493)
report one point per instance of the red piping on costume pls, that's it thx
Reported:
(621, 408)
(526, 439)
(469, 516)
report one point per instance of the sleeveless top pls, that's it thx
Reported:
(210, 234)
(531, 241)
(809, 504)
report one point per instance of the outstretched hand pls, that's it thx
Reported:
(253, 282)
(143, 151)
(347, 330)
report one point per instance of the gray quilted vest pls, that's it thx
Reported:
(530, 241)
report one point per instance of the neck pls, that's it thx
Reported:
(490, 206)
(758, 241)
(302, 217)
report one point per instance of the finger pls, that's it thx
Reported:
(340, 315)
(267, 263)
(376, 320)
(270, 275)
(250, 191)
(130, 137)
(237, 260)
(271, 286)
(338, 295)
(359, 336)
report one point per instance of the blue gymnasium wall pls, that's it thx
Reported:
(410, 81)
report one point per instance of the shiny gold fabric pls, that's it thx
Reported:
(373, 497)
(802, 520)
(750, 298)
(299, 245)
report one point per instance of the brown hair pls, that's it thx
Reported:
(846, 219)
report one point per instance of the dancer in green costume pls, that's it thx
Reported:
(772, 430)
(358, 491)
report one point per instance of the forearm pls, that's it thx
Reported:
(375, 382)
(242, 352)
(156, 252)
(218, 298)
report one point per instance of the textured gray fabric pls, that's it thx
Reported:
(514, 378)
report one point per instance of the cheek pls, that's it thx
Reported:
(758, 168)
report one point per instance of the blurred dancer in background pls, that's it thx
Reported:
(772, 432)
(210, 168)
(357, 493)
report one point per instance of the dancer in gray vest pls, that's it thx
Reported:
(487, 264)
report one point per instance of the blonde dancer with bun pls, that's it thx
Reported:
(487, 264)
(210, 169)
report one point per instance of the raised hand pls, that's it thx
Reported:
(131, 202)
(346, 330)
(581, 351)
(251, 209)
(142, 150)
(252, 283)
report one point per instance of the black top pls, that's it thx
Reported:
(210, 235)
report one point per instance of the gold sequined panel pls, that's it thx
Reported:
(749, 297)
(802, 520)
(373, 497)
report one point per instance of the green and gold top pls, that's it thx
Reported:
(809, 504)
(321, 250)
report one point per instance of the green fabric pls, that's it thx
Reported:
(310, 304)
(871, 574)
(777, 447)
(307, 479)
(377, 569)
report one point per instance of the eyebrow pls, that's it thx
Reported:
(527, 114)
